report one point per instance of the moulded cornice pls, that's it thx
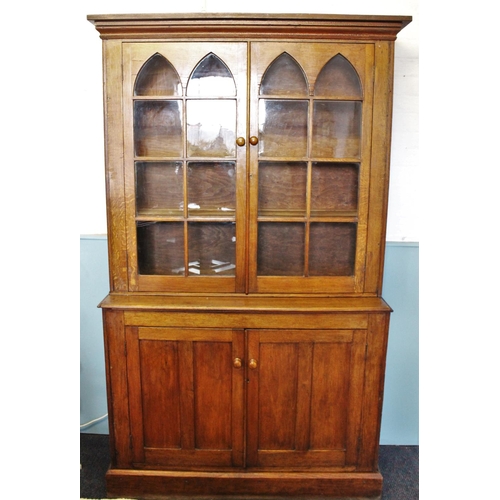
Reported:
(248, 26)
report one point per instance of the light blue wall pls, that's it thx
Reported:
(400, 413)
(94, 286)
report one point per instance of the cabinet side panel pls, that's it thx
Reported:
(116, 374)
(113, 125)
(380, 158)
(377, 337)
(355, 405)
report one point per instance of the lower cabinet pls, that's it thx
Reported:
(293, 409)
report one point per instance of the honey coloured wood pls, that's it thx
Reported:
(305, 397)
(247, 165)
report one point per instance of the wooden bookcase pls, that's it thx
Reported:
(247, 167)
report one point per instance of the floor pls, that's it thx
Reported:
(399, 466)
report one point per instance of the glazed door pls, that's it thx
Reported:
(305, 140)
(310, 122)
(186, 390)
(185, 169)
(305, 391)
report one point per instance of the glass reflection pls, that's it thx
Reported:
(157, 128)
(211, 188)
(160, 247)
(337, 129)
(284, 76)
(280, 249)
(283, 128)
(338, 78)
(332, 249)
(211, 78)
(282, 188)
(157, 77)
(211, 128)
(212, 249)
(159, 187)
(334, 187)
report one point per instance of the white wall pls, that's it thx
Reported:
(403, 201)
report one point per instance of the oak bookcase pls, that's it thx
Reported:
(247, 168)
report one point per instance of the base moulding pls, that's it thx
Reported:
(170, 485)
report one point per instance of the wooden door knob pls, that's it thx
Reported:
(237, 362)
(252, 364)
(254, 140)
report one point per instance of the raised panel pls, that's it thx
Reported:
(278, 386)
(161, 398)
(212, 373)
(329, 395)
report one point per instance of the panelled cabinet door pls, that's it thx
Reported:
(186, 389)
(309, 166)
(305, 392)
(185, 174)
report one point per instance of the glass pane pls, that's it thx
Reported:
(211, 128)
(282, 188)
(334, 187)
(157, 128)
(159, 187)
(157, 77)
(283, 128)
(211, 188)
(338, 78)
(211, 78)
(160, 247)
(337, 129)
(284, 76)
(332, 249)
(212, 248)
(280, 249)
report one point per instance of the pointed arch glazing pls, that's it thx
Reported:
(284, 76)
(157, 77)
(211, 77)
(338, 77)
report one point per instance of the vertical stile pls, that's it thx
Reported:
(185, 181)
(308, 183)
(304, 392)
(186, 371)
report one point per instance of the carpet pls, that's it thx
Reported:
(398, 464)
